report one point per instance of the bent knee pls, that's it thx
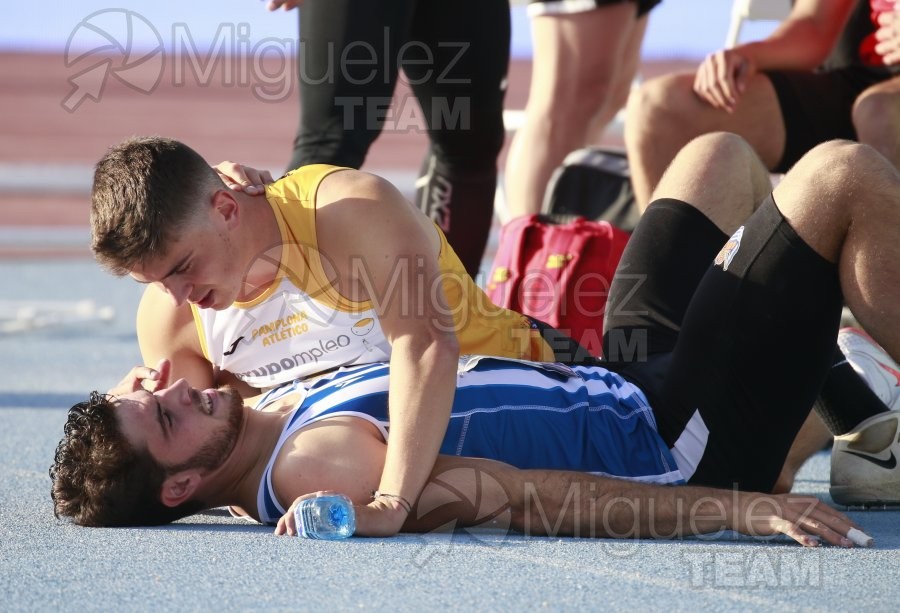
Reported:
(839, 162)
(661, 106)
(721, 146)
(666, 93)
(840, 177)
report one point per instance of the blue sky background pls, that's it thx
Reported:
(678, 28)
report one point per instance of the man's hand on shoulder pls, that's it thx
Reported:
(143, 377)
(241, 178)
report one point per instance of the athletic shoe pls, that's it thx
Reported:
(848, 319)
(873, 364)
(864, 462)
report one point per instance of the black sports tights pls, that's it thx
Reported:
(455, 56)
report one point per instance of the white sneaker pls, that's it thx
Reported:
(864, 462)
(873, 364)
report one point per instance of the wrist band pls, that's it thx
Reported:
(403, 501)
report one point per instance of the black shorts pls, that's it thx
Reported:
(731, 349)
(569, 7)
(818, 106)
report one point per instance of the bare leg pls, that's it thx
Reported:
(813, 436)
(876, 116)
(665, 114)
(621, 88)
(576, 59)
(720, 175)
(843, 199)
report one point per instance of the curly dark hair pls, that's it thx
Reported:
(100, 479)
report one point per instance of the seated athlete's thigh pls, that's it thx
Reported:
(756, 344)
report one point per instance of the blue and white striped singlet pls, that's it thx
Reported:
(529, 415)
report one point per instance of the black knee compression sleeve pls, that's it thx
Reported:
(846, 399)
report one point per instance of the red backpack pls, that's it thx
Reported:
(557, 267)
(558, 273)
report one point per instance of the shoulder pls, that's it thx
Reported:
(340, 453)
(350, 186)
(366, 214)
(168, 331)
(158, 316)
(301, 183)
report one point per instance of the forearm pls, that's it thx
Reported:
(800, 43)
(578, 504)
(165, 331)
(422, 386)
(782, 54)
(471, 491)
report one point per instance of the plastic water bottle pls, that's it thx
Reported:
(329, 517)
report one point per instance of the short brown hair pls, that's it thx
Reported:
(144, 189)
(100, 479)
